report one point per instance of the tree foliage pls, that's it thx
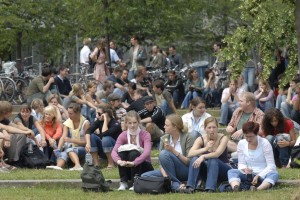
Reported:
(267, 24)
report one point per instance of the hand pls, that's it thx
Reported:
(210, 145)
(198, 162)
(51, 142)
(247, 170)
(255, 180)
(1, 153)
(169, 147)
(43, 143)
(88, 147)
(51, 80)
(229, 129)
(5, 136)
(30, 134)
(283, 143)
(67, 139)
(129, 164)
(261, 89)
(121, 163)
(236, 135)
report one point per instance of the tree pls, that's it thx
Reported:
(267, 24)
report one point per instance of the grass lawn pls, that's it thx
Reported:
(35, 174)
(72, 193)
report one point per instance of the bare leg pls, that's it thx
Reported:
(60, 163)
(234, 183)
(95, 157)
(231, 146)
(265, 185)
(110, 161)
(74, 157)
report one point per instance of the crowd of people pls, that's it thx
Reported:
(121, 120)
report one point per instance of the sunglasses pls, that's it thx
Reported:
(99, 113)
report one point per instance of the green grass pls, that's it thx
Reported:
(75, 193)
(35, 174)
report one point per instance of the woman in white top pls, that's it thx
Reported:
(255, 161)
(194, 120)
(229, 102)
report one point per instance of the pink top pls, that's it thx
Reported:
(145, 142)
(51, 132)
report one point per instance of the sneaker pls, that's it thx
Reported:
(131, 189)
(123, 186)
(54, 167)
(76, 169)
(3, 170)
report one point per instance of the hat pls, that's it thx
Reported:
(113, 97)
(147, 99)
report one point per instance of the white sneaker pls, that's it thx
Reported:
(54, 167)
(131, 189)
(76, 169)
(123, 186)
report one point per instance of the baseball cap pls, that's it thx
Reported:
(147, 99)
(113, 97)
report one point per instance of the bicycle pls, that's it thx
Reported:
(83, 77)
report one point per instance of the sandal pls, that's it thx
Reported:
(109, 167)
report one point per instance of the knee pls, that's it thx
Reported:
(212, 162)
(133, 155)
(163, 155)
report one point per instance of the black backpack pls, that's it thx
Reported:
(295, 157)
(93, 179)
(37, 159)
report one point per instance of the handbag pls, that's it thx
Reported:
(152, 185)
(295, 157)
(130, 147)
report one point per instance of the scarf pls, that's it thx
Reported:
(136, 134)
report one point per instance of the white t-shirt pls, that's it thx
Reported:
(114, 56)
(84, 54)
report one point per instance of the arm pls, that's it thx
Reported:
(169, 99)
(226, 95)
(47, 86)
(219, 150)
(58, 131)
(289, 96)
(146, 120)
(78, 141)
(296, 103)
(268, 154)
(269, 97)
(196, 149)
(64, 135)
(147, 149)
(13, 130)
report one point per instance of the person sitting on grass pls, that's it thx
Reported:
(103, 134)
(194, 120)
(209, 158)
(279, 131)
(37, 108)
(264, 96)
(25, 121)
(255, 161)
(72, 143)
(173, 157)
(10, 132)
(132, 151)
(53, 131)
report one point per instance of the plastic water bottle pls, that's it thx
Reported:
(88, 159)
(30, 148)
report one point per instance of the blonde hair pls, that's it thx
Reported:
(176, 121)
(91, 84)
(49, 109)
(87, 41)
(54, 96)
(249, 97)
(132, 114)
(36, 103)
(209, 120)
(76, 89)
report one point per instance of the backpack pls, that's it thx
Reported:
(93, 179)
(37, 159)
(295, 157)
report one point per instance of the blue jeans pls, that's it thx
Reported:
(265, 106)
(188, 97)
(226, 112)
(96, 145)
(174, 168)
(282, 153)
(286, 109)
(212, 170)
(237, 175)
(249, 75)
(280, 99)
(80, 151)
(165, 107)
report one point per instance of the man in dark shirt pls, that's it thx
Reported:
(138, 103)
(62, 82)
(175, 86)
(153, 118)
(175, 58)
(118, 83)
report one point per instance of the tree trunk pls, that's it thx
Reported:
(297, 21)
(19, 50)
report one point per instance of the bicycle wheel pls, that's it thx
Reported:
(21, 90)
(9, 89)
